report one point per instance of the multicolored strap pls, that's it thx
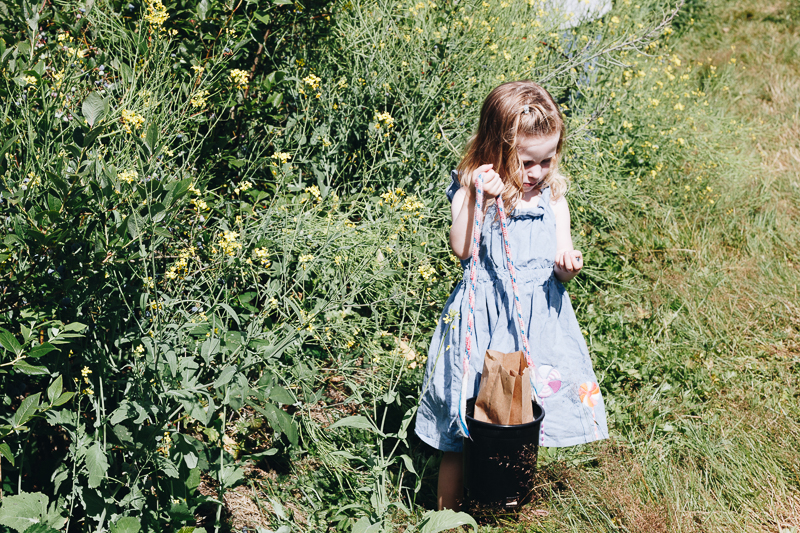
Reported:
(473, 271)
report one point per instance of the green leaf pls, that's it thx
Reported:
(362, 525)
(278, 509)
(30, 370)
(167, 467)
(435, 521)
(278, 420)
(358, 422)
(64, 398)
(177, 190)
(151, 137)
(407, 417)
(282, 2)
(96, 463)
(8, 144)
(231, 312)
(409, 463)
(5, 450)
(281, 395)
(262, 17)
(191, 460)
(123, 412)
(209, 347)
(202, 9)
(157, 213)
(74, 326)
(23, 511)
(260, 455)
(9, 342)
(231, 475)
(225, 377)
(93, 108)
(26, 409)
(40, 350)
(33, 21)
(41, 528)
(54, 390)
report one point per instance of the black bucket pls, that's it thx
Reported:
(499, 461)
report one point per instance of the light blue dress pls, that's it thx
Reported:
(563, 376)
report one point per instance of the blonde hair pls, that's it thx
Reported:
(514, 110)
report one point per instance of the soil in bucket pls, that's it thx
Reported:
(500, 461)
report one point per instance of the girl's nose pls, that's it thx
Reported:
(536, 171)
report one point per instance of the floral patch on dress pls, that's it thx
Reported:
(548, 381)
(590, 396)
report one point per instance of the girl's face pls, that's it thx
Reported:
(536, 154)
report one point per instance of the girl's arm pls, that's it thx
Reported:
(463, 209)
(568, 260)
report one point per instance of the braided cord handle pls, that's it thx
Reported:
(510, 262)
(473, 270)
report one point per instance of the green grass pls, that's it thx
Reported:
(728, 290)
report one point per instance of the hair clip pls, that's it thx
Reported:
(526, 110)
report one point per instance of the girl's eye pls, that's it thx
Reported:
(529, 164)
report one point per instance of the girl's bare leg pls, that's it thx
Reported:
(451, 481)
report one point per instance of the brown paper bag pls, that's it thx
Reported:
(505, 394)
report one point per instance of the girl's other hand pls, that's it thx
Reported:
(492, 183)
(568, 264)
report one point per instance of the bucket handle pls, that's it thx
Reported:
(473, 270)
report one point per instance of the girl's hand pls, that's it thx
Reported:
(568, 264)
(492, 184)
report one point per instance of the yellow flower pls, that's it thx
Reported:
(384, 118)
(131, 119)
(427, 272)
(198, 69)
(30, 80)
(312, 81)
(199, 99)
(228, 243)
(240, 78)
(282, 156)
(128, 176)
(412, 204)
(262, 255)
(314, 191)
(243, 187)
(156, 13)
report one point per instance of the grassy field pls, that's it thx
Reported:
(725, 458)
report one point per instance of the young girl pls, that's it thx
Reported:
(515, 152)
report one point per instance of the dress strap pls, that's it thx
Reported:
(454, 185)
